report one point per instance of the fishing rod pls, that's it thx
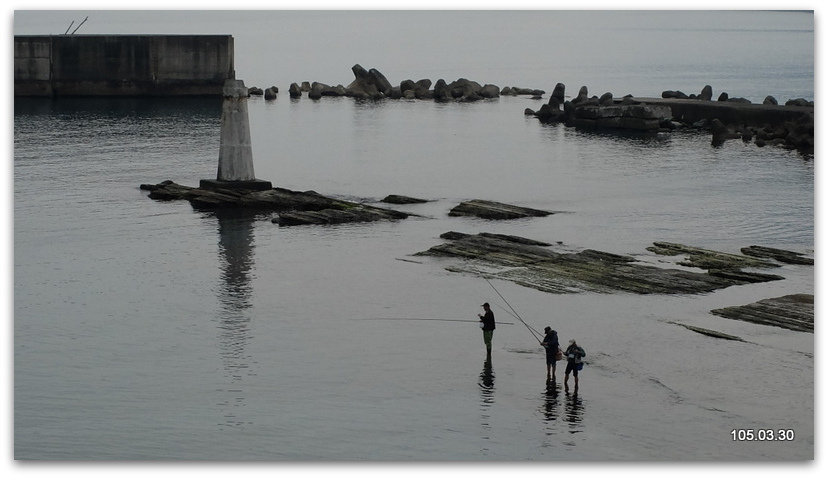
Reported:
(513, 315)
(516, 315)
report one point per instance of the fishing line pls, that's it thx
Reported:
(435, 319)
(534, 334)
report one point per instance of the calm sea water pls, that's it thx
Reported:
(149, 330)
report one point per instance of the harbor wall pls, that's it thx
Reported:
(122, 65)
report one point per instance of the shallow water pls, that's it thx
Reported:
(146, 329)
(149, 330)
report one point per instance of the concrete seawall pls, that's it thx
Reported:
(122, 65)
(691, 111)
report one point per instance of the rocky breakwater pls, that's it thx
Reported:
(292, 207)
(604, 112)
(373, 85)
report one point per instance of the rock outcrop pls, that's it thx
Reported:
(398, 199)
(793, 312)
(292, 207)
(495, 210)
(710, 333)
(533, 264)
(787, 257)
(719, 264)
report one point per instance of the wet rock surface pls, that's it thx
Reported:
(398, 199)
(780, 255)
(708, 259)
(293, 207)
(709, 332)
(533, 264)
(358, 213)
(793, 312)
(495, 210)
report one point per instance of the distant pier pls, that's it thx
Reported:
(122, 65)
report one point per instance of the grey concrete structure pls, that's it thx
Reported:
(235, 152)
(122, 65)
(235, 166)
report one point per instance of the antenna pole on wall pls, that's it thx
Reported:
(81, 23)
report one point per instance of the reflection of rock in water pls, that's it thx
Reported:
(236, 253)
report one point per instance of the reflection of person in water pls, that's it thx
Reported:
(487, 389)
(574, 411)
(487, 379)
(550, 401)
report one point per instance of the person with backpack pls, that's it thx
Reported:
(574, 353)
(553, 347)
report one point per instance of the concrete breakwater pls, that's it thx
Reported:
(790, 125)
(122, 65)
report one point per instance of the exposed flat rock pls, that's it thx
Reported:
(707, 259)
(398, 199)
(293, 207)
(495, 210)
(781, 255)
(361, 213)
(793, 312)
(533, 264)
(710, 333)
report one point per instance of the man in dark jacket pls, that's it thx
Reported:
(488, 326)
(550, 342)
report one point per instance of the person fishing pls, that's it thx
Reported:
(488, 325)
(574, 353)
(553, 347)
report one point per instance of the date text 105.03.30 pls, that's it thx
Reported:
(762, 434)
